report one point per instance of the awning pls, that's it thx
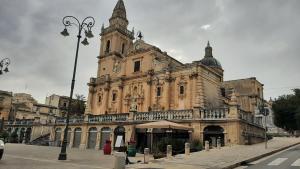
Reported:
(164, 124)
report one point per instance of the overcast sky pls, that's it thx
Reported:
(250, 38)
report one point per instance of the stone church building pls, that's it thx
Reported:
(138, 83)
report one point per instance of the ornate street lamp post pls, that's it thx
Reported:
(85, 25)
(4, 65)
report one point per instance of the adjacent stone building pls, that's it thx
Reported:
(5, 104)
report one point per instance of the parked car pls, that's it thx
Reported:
(1, 148)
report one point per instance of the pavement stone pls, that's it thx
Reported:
(225, 157)
(20, 156)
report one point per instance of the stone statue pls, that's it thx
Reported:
(133, 105)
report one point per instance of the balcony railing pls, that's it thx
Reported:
(108, 118)
(214, 114)
(247, 116)
(164, 115)
(23, 122)
(77, 120)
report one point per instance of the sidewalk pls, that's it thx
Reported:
(218, 158)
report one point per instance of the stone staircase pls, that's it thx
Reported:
(42, 140)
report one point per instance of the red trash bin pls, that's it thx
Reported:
(107, 147)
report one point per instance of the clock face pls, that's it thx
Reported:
(137, 46)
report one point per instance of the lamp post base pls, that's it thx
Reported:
(62, 156)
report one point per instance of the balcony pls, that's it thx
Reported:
(214, 114)
(164, 115)
(77, 120)
(108, 118)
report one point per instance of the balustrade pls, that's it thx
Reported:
(214, 114)
(108, 118)
(77, 120)
(164, 115)
(250, 118)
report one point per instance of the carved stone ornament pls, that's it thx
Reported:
(117, 66)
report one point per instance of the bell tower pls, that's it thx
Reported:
(116, 37)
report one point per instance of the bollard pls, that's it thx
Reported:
(169, 151)
(146, 156)
(120, 160)
(206, 145)
(219, 143)
(187, 148)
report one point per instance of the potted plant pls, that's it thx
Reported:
(131, 149)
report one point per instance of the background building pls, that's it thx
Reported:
(5, 104)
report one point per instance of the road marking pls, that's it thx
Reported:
(296, 163)
(278, 161)
(54, 161)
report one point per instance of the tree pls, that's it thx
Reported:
(78, 105)
(287, 111)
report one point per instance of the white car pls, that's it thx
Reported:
(1, 148)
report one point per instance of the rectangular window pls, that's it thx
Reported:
(158, 92)
(181, 90)
(223, 92)
(137, 66)
(114, 97)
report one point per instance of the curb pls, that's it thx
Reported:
(259, 157)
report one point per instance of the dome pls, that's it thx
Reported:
(211, 62)
(208, 59)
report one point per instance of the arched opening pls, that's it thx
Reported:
(119, 131)
(22, 135)
(105, 135)
(14, 135)
(107, 49)
(212, 134)
(27, 135)
(92, 138)
(77, 137)
(57, 137)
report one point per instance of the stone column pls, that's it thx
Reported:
(120, 106)
(149, 93)
(149, 87)
(83, 140)
(105, 99)
(71, 139)
(98, 140)
(192, 90)
(167, 96)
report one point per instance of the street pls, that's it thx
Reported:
(20, 156)
(287, 159)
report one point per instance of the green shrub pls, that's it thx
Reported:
(13, 137)
(196, 145)
(177, 145)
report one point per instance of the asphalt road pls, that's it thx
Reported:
(286, 159)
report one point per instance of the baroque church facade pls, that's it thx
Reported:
(138, 83)
(136, 76)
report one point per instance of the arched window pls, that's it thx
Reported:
(123, 48)
(107, 46)
(181, 90)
